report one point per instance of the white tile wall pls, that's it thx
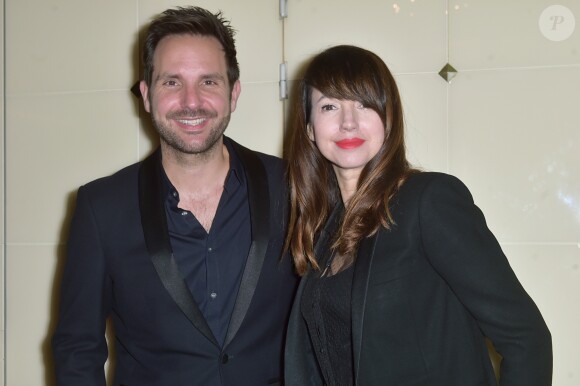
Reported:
(69, 45)
(514, 139)
(31, 287)
(2, 206)
(551, 275)
(487, 34)
(508, 125)
(424, 97)
(70, 118)
(49, 159)
(257, 121)
(409, 35)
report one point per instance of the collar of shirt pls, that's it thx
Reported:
(234, 178)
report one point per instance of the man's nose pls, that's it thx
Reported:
(191, 97)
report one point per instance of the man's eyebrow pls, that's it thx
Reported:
(170, 75)
(213, 75)
(166, 75)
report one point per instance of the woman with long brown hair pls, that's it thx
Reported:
(402, 279)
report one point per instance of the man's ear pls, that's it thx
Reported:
(236, 90)
(145, 95)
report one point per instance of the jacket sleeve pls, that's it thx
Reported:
(79, 344)
(467, 256)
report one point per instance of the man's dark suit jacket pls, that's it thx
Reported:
(120, 264)
(425, 295)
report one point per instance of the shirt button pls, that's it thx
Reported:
(209, 249)
(213, 295)
(174, 194)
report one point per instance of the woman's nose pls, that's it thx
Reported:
(349, 119)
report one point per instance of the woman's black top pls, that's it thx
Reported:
(326, 308)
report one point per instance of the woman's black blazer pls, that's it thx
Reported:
(426, 294)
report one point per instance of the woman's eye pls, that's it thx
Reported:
(327, 107)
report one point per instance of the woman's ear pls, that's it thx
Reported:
(310, 131)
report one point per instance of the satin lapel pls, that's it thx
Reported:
(259, 200)
(154, 222)
(360, 283)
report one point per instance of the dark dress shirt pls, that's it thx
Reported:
(212, 263)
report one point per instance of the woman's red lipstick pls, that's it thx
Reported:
(350, 143)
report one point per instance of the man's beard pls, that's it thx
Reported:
(171, 137)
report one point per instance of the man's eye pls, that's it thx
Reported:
(170, 83)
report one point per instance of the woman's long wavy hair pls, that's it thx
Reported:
(346, 73)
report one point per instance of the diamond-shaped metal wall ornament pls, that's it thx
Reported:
(448, 72)
(136, 91)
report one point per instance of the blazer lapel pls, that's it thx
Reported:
(360, 283)
(154, 222)
(259, 200)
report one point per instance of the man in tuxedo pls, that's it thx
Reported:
(182, 250)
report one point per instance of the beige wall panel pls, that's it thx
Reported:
(63, 141)
(410, 36)
(29, 288)
(3, 361)
(424, 99)
(2, 190)
(487, 34)
(551, 275)
(257, 121)
(69, 45)
(2, 92)
(148, 137)
(514, 139)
